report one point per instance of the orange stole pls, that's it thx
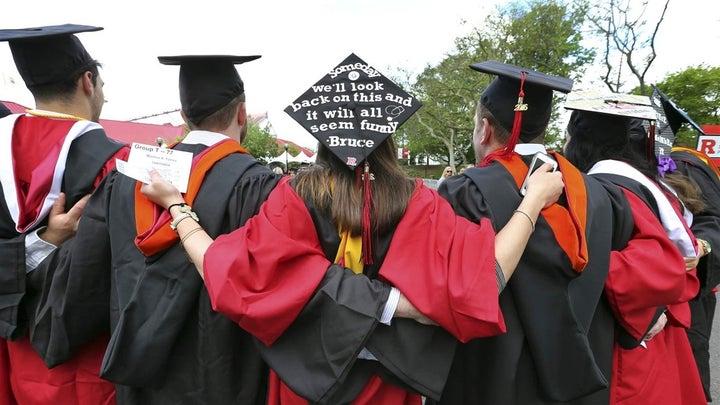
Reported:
(153, 236)
(561, 220)
(702, 156)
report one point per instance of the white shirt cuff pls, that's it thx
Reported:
(385, 318)
(366, 355)
(36, 250)
(390, 306)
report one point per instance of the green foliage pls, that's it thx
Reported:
(540, 35)
(696, 90)
(260, 143)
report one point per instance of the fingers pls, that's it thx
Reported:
(58, 206)
(546, 167)
(78, 208)
(155, 175)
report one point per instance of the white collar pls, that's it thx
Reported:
(672, 224)
(529, 148)
(206, 138)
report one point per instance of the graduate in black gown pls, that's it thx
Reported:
(652, 278)
(52, 157)
(126, 269)
(699, 168)
(559, 340)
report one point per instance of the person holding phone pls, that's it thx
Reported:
(538, 160)
(359, 291)
(558, 283)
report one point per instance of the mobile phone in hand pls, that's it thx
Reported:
(539, 159)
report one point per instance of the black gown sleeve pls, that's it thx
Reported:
(12, 286)
(154, 307)
(73, 285)
(706, 224)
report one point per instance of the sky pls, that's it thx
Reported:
(299, 42)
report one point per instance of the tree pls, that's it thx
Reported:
(442, 128)
(260, 143)
(697, 91)
(627, 43)
(540, 35)
(547, 37)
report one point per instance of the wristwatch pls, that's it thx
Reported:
(706, 246)
(185, 212)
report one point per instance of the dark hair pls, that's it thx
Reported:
(220, 119)
(501, 134)
(592, 141)
(335, 189)
(595, 137)
(65, 88)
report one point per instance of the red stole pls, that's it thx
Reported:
(35, 163)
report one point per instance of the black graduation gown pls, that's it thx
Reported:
(87, 157)
(560, 332)
(706, 225)
(167, 346)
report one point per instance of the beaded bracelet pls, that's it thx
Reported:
(182, 204)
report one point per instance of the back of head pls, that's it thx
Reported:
(208, 83)
(596, 136)
(333, 187)
(352, 111)
(50, 59)
(520, 99)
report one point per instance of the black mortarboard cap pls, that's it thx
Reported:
(207, 82)
(352, 110)
(609, 118)
(501, 96)
(47, 55)
(670, 114)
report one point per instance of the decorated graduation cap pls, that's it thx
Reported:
(207, 82)
(352, 110)
(48, 55)
(670, 119)
(520, 99)
(612, 119)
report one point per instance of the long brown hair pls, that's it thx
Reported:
(687, 191)
(334, 188)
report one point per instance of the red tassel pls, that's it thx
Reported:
(517, 125)
(367, 216)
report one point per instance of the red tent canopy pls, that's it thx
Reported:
(126, 131)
